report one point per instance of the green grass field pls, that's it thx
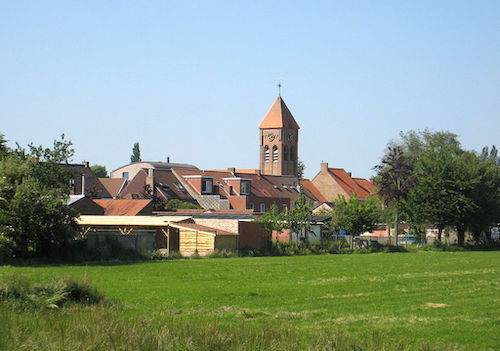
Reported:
(399, 301)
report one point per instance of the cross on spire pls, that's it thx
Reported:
(279, 87)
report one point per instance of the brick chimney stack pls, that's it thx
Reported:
(324, 166)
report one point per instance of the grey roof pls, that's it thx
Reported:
(162, 165)
(74, 198)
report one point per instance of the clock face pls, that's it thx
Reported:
(270, 137)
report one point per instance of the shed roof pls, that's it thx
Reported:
(151, 221)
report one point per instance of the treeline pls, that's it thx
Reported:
(427, 178)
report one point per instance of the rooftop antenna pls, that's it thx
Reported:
(279, 87)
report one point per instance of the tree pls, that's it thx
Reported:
(439, 195)
(176, 204)
(61, 152)
(395, 179)
(136, 153)
(271, 220)
(354, 216)
(301, 167)
(99, 171)
(480, 183)
(4, 150)
(33, 194)
(298, 219)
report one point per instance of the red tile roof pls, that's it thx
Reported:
(365, 184)
(279, 116)
(309, 186)
(113, 185)
(123, 207)
(347, 183)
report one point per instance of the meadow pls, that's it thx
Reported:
(384, 301)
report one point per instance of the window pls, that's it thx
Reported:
(292, 154)
(285, 207)
(266, 153)
(251, 206)
(285, 153)
(150, 172)
(179, 187)
(245, 188)
(206, 186)
(275, 153)
(262, 207)
(125, 175)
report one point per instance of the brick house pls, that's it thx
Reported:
(332, 182)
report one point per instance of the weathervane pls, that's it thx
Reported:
(279, 88)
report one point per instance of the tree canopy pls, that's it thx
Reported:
(33, 194)
(99, 171)
(441, 184)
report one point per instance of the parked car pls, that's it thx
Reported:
(407, 240)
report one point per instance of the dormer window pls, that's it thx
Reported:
(179, 187)
(206, 186)
(245, 188)
(125, 175)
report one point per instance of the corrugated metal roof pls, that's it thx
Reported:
(152, 221)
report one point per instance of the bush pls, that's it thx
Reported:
(20, 294)
(159, 255)
(222, 254)
(6, 247)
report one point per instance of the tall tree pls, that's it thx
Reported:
(395, 179)
(136, 153)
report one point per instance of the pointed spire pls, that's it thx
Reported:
(279, 116)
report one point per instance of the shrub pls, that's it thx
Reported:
(222, 254)
(6, 247)
(20, 294)
(159, 255)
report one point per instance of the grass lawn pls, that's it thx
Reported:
(414, 301)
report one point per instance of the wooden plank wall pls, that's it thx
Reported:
(190, 241)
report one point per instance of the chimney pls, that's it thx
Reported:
(324, 166)
(86, 164)
(83, 185)
(168, 159)
(232, 170)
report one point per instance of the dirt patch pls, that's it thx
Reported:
(435, 305)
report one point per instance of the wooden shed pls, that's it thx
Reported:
(149, 233)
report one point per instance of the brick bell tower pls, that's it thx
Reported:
(279, 140)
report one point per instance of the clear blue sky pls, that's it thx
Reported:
(193, 79)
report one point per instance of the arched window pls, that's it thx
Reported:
(285, 153)
(275, 153)
(266, 153)
(292, 154)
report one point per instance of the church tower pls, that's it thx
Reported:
(279, 137)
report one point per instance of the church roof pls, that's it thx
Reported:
(279, 116)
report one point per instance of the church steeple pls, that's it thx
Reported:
(279, 134)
